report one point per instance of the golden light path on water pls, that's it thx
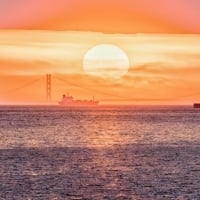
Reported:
(99, 153)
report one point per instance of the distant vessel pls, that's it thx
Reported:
(70, 101)
(196, 105)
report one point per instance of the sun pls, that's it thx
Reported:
(106, 61)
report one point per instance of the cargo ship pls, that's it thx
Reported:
(68, 100)
(196, 105)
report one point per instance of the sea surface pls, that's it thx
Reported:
(99, 153)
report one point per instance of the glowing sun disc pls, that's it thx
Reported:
(107, 61)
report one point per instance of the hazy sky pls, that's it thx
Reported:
(161, 39)
(121, 16)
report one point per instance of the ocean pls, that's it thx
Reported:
(105, 152)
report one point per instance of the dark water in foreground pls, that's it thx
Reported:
(103, 153)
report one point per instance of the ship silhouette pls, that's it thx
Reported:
(68, 100)
(196, 105)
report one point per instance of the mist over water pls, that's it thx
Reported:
(99, 153)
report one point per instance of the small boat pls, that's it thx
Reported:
(196, 105)
(68, 100)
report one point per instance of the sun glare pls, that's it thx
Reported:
(106, 61)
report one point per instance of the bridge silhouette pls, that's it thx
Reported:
(91, 90)
(49, 78)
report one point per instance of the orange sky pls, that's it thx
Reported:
(122, 16)
(161, 39)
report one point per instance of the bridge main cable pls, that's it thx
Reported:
(24, 86)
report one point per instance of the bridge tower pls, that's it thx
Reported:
(48, 87)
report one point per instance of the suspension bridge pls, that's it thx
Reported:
(48, 83)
